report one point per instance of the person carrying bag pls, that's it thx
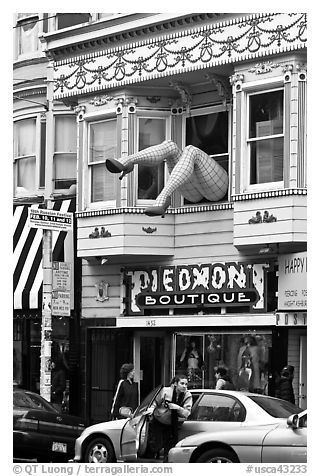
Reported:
(170, 409)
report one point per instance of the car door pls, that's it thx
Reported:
(285, 444)
(133, 437)
(213, 412)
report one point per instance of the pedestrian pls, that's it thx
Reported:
(169, 410)
(223, 381)
(126, 393)
(58, 384)
(284, 388)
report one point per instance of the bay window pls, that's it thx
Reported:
(28, 31)
(102, 144)
(65, 156)
(25, 156)
(150, 179)
(265, 137)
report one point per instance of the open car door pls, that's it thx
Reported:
(134, 435)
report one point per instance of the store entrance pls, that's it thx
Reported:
(149, 361)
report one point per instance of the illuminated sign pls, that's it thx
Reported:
(192, 286)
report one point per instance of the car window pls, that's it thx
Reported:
(303, 421)
(275, 407)
(218, 408)
(147, 401)
(28, 400)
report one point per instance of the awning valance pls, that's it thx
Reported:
(27, 254)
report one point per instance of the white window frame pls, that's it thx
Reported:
(17, 158)
(145, 114)
(18, 21)
(255, 89)
(206, 110)
(88, 120)
(59, 114)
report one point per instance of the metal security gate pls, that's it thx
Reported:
(108, 350)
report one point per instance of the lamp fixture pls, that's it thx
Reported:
(266, 250)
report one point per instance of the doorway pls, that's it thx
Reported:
(150, 360)
(303, 373)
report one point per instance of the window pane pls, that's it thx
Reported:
(26, 171)
(65, 170)
(28, 36)
(65, 134)
(209, 132)
(215, 408)
(102, 184)
(266, 159)
(150, 179)
(103, 140)
(266, 114)
(200, 360)
(69, 19)
(25, 137)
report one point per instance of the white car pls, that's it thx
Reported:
(214, 412)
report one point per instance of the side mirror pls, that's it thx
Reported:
(293, 421)
(125, 412)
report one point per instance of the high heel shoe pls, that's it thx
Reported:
(157, 210)
(116, 167)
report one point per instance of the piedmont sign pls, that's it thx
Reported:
(192, 286)
(49, 219)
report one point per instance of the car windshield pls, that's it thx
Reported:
(29, 400)
(276, 407)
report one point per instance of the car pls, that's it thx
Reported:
(283, 442)
(40, 431)
(213, 412)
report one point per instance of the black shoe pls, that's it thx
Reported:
(157, 210)
(114, 166)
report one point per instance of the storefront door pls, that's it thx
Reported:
(149, 361)
(303, 373)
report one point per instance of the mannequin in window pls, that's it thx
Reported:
(248, 365)
(192, 172)
(192, 360)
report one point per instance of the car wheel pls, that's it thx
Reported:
(99, 450)
(217, 456)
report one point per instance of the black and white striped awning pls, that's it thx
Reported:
(27, 254)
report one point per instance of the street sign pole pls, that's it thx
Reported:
(46, 324)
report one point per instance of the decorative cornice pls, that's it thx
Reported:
(229, 41)
(269, 194)
(263, 67)
(101, 100)
(171, 211)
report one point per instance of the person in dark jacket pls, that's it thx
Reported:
(223, 381)
(58, 384)
(126, 393)
(284, 389)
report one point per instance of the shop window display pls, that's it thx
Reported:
(245, 357)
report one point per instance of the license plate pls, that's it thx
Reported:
(59, 447)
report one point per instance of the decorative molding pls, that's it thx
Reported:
(149, 229)
(267, 218)
(202, 46)
(101, 100)
(223, 86)
(102, 291)
(80, 111)
(103, 233)
(269, 194)
(153, 99)
(236, 81)
(184, 92)
(170, 211)
(263, 67)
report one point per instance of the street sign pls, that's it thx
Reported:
(61, 276)
(60, 303)
(49, 219)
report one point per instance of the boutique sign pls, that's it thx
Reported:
(195, 286)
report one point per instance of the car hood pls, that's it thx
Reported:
(106, 426)
(237, 436)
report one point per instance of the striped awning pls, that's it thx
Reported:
(27, 254)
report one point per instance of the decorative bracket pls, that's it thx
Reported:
(267, 218)
(223, 86)
(102, 291)
(103, 233)
(149, 229)
(185, 94)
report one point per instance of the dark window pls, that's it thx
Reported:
(70, 19)
(276, 407)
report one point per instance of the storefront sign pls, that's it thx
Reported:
(60, 303)
(206, 285)
(49, 219)
(291, 319)
(61, 276)
(292, 294)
